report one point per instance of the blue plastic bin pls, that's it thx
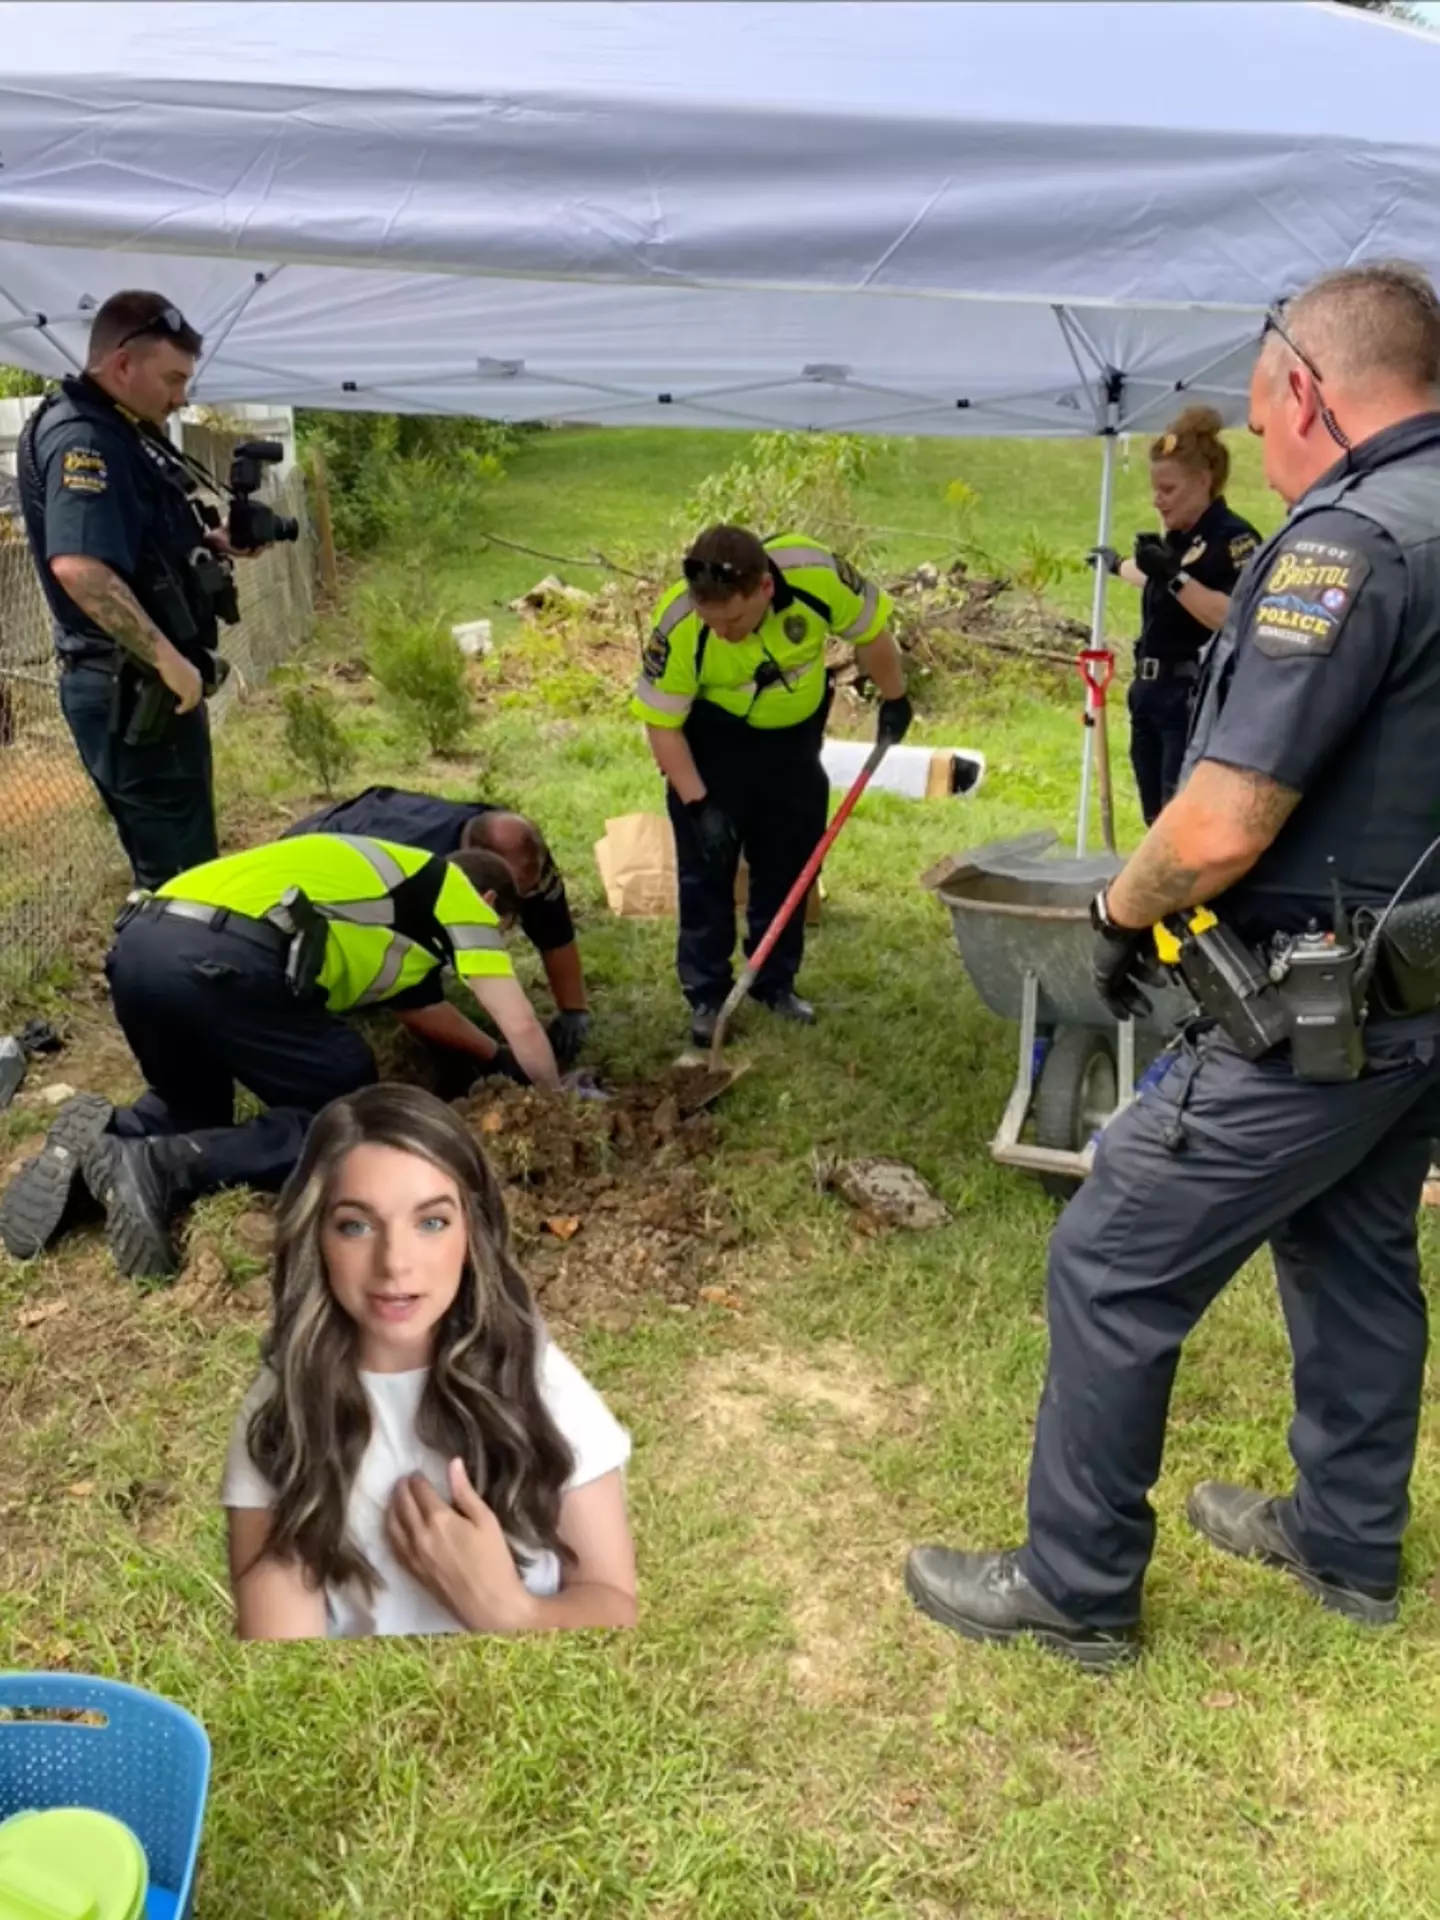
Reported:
(149, 1766)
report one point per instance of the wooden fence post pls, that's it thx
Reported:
(329, 572)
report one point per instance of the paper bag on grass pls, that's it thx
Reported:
(812, 899)
(636, 859)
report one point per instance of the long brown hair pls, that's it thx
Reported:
(1193, 440)
(482, 1400)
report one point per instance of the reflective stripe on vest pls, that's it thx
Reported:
(471, 938)
(868, 606)
(649, 696)
(787, 557)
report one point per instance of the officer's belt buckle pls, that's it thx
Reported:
(1150, 669)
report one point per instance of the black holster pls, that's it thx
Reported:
(1407, 962)
(298, 916)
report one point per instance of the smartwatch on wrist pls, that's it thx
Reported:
(1181, 581)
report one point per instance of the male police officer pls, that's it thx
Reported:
(239, 970)
(1315, 757)
(445, 826)
(734, 694)
(115, 539)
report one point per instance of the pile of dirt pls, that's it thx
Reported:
(609, 1199)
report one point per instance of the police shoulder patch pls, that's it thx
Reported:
(656, 657)
(83, 470)
(1242, 546)
(850, 575)
(1306, 598)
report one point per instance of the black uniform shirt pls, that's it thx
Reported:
(428, 821)
(94, 491)
(1213, 553)
(1291, 693)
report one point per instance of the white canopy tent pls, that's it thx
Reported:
(928, 218)
(1042, 219)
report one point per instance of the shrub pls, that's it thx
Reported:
(415, 660)
(790, 483)
(402, 479)
(1040, 567)
(314, 736)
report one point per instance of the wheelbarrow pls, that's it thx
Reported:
(1022, 924)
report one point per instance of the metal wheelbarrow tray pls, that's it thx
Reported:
(1022, 924)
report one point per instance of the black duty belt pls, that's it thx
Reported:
(1149, 668)
(260, 933)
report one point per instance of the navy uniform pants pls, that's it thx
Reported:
(204, 1008)
(1219, 1157)
(161, 798)
(1159, 728)
(774, 789)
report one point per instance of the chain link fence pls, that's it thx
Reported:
(58, 850)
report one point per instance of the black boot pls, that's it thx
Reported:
(1245, 1523)
(703, 1022)
(129, 1179)
(789, 1006)
(38, 1201)
(985, 1596)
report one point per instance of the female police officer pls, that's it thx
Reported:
(1186, 575)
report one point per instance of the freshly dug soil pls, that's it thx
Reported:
(609, 1200)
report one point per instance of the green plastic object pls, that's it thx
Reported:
(70, 1863)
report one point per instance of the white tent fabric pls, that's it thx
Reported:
(937, 219)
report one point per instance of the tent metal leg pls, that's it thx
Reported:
(1097, 615)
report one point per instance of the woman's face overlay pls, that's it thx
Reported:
(394, 1245)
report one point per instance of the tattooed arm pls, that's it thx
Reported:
(102, 594)
(1212, 832)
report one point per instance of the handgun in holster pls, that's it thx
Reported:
(298, 916)
(1228, 980)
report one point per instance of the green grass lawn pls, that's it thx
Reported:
(783, 1737)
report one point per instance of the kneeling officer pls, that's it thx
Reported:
(239, 970)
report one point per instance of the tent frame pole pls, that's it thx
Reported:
(1114, 388)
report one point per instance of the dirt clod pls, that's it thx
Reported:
(609, 1200)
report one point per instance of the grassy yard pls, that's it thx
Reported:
(784, 1736)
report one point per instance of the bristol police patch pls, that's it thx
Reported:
(1241, 547)
(656, 656)
(83, 470)
(1307, 598)
(850, 575)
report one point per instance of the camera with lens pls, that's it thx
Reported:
(252, 524)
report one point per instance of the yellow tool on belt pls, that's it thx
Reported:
(1167, 943)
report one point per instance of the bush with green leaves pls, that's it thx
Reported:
(315, 737)
(1040, 567)
(790, 483)
(417, 662)
(404, 480)
(17, 383)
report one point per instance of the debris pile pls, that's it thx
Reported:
(609, 1200)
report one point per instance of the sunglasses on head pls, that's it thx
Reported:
(718, 577)
(169, 322)
(1275, 323)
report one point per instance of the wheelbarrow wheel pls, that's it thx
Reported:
(1077, 1092)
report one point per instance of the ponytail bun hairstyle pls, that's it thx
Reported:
(1193, 441)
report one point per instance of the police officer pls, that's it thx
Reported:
(1186, 576)
(114, 537)
(239, 971)
(734, 694)
(1315, 757)
(444, 826)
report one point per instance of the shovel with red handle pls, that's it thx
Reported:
(1097, 669)
(792, 900)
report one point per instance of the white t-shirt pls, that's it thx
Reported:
(401, 1605)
